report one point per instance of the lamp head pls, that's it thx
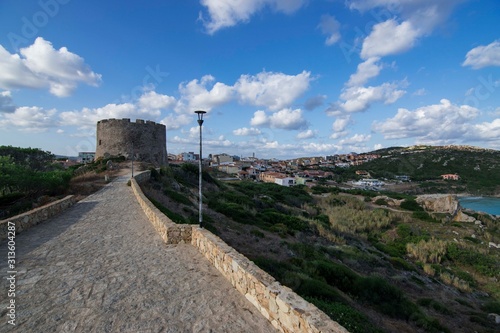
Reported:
(200, 114)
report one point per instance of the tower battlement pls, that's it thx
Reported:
(144, 140)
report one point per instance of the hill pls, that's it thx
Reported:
(370, 267)
(479, 169)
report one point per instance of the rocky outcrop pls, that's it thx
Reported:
(439, 203)
(390, 201)
(462, 217)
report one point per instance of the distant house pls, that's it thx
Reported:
(285, 181)
(187, 157)
(86, 157)
(277, 178)
(450, 176)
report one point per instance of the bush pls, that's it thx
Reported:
(351, 319)
(385, 297)
(435, 305)
(178, 197)
(411, 204)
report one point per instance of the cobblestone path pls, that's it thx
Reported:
(100, 267)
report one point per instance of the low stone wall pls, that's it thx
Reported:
(287, 311)
(170, 232)
(33, 217)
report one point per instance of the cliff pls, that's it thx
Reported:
(439, 203)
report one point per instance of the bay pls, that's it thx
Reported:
(488, 205)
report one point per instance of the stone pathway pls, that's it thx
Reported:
(100, 267)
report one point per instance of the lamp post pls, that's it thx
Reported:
(200, 210)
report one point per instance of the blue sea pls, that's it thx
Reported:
(481, 204)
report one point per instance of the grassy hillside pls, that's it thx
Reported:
(371, 268)
(479, 169)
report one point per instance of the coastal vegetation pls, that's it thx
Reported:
(369, 267)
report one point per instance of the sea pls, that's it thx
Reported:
(481, 204)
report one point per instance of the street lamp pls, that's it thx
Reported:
(200, 210)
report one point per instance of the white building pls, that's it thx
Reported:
(285, 181)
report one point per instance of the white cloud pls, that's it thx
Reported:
(259, 119)
(331, 27)
(355, 139)
(389, 37)
(30, 119)
(284, 119)
(41, 66)
(340, 124)
(485, 131)
(6, 104)
(366, 70)
(247, 131)
(176, 121)
(155, 101)
(358, 99)
(420, 92)
(202, 95)
(274, 91)
(432, 123)
(88, 117)
(309, 134)
(483, 56)
(228, 13)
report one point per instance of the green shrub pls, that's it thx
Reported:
(385, 297)
(351, 319)
(435, 305)
(411, 204)
(491, 307)
(257, 233)
(178, 197)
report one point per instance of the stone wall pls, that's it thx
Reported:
(33, 217)
(170, 232)
(287, 311)
(141, 140)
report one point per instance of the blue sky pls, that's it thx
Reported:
(278, 78)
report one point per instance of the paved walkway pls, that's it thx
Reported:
(100, 267)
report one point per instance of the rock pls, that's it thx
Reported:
(494, 317)
(462, 217)
(496, 246)
(439, 203)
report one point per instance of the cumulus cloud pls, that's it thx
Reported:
(331, 27)
(6, 104)
(287, 119)
(155, 101)
(483, 56)
(357, 99)
(203, 94)
(41, 66)
(389, 37)
(308, 134)
(247, 131)
(88, 117)
(228, 13)
(432, 123)
(366, 70)
(30, 119)
(272, 90)
(340, 124)
(355, 139)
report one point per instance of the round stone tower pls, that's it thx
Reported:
(144, 140)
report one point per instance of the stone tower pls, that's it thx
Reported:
(146, 140)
